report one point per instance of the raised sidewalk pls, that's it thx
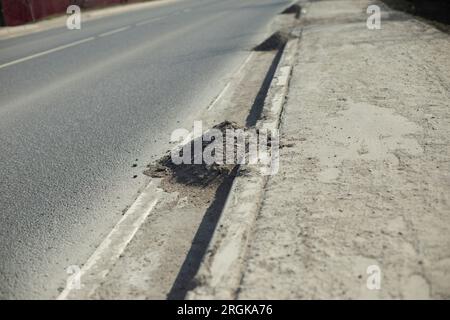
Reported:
(364, 175)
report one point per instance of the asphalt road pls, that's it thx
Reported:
(78, 109)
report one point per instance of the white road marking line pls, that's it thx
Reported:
(245, 62)
(114, 31)
(43, 53)
(100, 262)
(224, 90)
(221, 94)
(148, 21)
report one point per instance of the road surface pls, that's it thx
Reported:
(82, 112)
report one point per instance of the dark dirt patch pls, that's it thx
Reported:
(294, 9)
(277, 41)
(191, 174)
(193, 180)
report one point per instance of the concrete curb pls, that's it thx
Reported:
(220, 272)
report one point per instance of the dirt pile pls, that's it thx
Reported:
(275, 42)
(294, 9)
(192, 174)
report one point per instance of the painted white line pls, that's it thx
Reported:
(43, 53)
(114, 31)
(148, 21)
(224, 90)
(99, 264)
(221, 94)
(246, 61)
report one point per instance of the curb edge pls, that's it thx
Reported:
(220, 271)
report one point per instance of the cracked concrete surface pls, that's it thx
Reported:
(365, 172)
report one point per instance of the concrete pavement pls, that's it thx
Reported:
(360, 207)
